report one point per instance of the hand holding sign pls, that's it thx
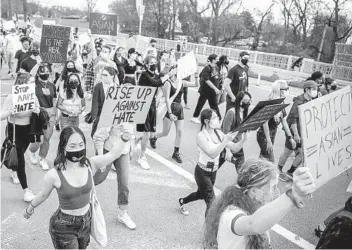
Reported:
(303, 183)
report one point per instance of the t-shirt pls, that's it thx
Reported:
(20, 56)
(238, 84)
(274, 121)
(45, 95)
(227, 238)
(211, 74)
(12, 42)
(28, 64)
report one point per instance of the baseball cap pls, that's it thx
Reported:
(244, 53)
(310, 84)
(212, 57)
(153, 41)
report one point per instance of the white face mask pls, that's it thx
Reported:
(314, 93)
(214, 123)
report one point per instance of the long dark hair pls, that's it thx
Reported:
(41, 70)
(205, 115)
(237, 105)
(65, 135)
(69, 93)
(65, 73)
(254, 173)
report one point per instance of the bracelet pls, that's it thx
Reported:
(298, 204)
(124, 139)
(29, 213)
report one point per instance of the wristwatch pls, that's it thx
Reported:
(297, 203)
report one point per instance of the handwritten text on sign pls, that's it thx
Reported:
(54, 43)
(126, 104)
(23, 97)
(326, 131)
(103, 24)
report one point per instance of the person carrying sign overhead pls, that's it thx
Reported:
(310, 91)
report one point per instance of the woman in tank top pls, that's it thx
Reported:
(70, 225)
(211, 142)
(174, 111)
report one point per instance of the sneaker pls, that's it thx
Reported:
(183, 209)
(33, 157)
(142, 162)
(57, 127)
(153, 142)
(176, 156)
(44, 164)
(195, 120)
(187, 107)
(125, 219)
(14, 177)
(283, 177)
(28, 195)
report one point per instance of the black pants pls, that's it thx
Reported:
(263, 143)
(22, 143)
(212, 100)
(205, 182)
(185, 94)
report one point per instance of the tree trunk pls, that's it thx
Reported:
(10, 10)
(174, 19)
(335, 31)
(25, 10)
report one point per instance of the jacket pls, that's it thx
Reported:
(39, 122)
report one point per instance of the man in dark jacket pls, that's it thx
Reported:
(310, 91)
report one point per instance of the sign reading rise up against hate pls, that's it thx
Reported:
(126, 104)
(54, 43)
(103, 24)
(326, 132)
(23, 97)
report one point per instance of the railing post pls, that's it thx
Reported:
(289, 62)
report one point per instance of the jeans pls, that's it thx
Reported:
(44, 148)
(69, 121)
(69, 231)
(263, 143)
(212, 100)
(22, 143)
(205, 182)
(122, 166)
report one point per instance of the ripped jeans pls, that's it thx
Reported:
(69, 231)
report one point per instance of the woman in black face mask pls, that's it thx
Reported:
(72, 177)
(46, 94)
(233, 118)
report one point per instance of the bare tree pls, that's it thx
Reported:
(258, 28)
(90, 6)
(286, 11)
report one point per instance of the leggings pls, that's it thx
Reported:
(22, 143)
(212, 100)
(185, 94)
(205, 182)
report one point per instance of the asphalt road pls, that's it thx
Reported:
(154, 195)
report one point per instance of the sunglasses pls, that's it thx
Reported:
(105, 75)
(285, 88)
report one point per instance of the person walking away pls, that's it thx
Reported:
(19, 123)
(310, 89)
(237, 79)
(70, 225)
(209, 88)
(240, 218)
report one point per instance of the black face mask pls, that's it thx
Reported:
(226, 62)
(72, 84)
(333, 87)
(84, 54)
(70, 70)
(44, 77)
(244, 61)
(75, 156)
(35, 52)
(245, 105)
(152, 67)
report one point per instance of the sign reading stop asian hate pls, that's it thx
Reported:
(103, 24)
(23, 97)
(326, 132)
(54, 43)
(126, 104)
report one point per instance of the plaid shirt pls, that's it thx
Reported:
(90, 77)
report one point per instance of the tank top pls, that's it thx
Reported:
(70, 197)
(203, 158)
(173, 91)
(74, 104)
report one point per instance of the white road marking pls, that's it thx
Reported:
(277, 228)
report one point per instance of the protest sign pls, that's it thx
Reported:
(9, 25)
(128, 104)
(258, 119)
(23, 97)
(262, 104)
(187, 65)
(54, 43)
(326, 133)
(103, 24)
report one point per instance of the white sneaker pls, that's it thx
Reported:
(14, 177)
(142, 162)
(113, 168)
(33, 157)
(28, 195)
(44, 164)
(125, 219)
(195, 120)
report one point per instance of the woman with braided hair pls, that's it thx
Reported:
(241, 216)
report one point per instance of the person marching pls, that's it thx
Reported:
(22, 53)
(242, 215)
(120, 62)
(211, 142)
(72, 177)
(130, 68)
(173, 90)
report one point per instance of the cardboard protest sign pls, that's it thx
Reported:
(187, 65)
(54, 43)
(103, 24)
(259, 118)
(126, 104)
(263, 104)
(326, 133)
(23, 97)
